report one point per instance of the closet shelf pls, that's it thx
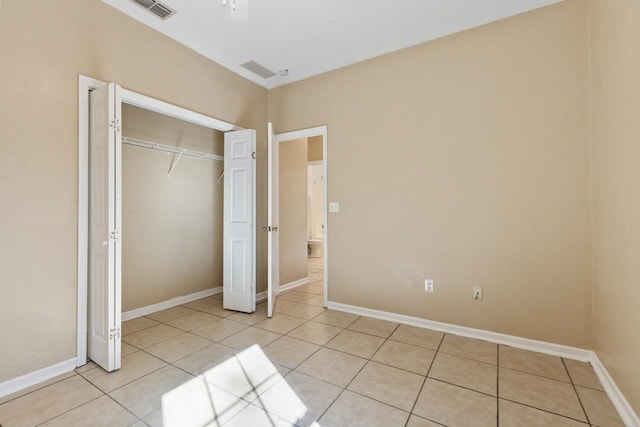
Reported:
(171, 149)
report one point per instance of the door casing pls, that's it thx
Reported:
(307, 133)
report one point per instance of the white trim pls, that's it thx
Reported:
(628, 415)
(293, 284)
(86, 84)
(307, 133)
(167, 109)
(314, 162)
(261, 296)
(153, 308)
(33, 378)
(495, 337)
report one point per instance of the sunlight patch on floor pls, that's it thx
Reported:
(227, 389)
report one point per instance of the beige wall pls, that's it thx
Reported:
(293, 210)
(171, 225)
(314, 145)
(43, 47)
(615, 36)
(463, 160)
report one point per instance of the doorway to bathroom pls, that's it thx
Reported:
(302, 210)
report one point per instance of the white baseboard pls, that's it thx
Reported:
(623, 407)
(628, 415)
(513, 341)
(293, 284)
(261, 296)
(33, 378)
(143, 311)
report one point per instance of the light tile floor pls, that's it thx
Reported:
(198, 364)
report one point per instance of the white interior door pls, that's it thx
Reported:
(273, 245)
(105, 190)
(239, 271)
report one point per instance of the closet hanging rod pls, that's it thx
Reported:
(171, 149)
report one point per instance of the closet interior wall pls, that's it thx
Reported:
(171, 224)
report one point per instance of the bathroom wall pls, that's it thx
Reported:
(315, 202)
(293, 210)
(315, 148)
(171, 225)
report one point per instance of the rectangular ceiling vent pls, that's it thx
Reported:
(160, 10)
(258, 69)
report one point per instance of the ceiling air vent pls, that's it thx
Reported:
(160, 10)
(258, 69)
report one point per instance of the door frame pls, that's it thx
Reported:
(307, 133)
(86, 85)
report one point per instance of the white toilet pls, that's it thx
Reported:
(315, 248)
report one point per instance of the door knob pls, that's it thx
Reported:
(264, 228)
(275, 228)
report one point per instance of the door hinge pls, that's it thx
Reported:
(115, 235)
(253, 155)
(114, 333)
(115, 125)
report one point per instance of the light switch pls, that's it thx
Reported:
(334, 207)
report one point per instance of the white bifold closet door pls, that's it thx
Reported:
(239, 248)
(105, 216)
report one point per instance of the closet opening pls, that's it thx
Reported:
(159, 225)
(172, 210)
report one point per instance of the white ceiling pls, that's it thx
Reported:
(310, 37)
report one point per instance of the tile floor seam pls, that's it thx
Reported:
(124, 407)
(140, 330)
(331, 404)
(307, 358)
(426, 376)
(95, 367)
(170, 363)
(159, 342)
(379, 401)
(328, 324)
(575, 390)
(366, 333)
(398, 367)
(183, 315)
(134, 380)
(191, 354)
(345, 387)
(463, 387)
(470, 358)
(536, 375)
(544, 410)
(71, 409)
(422, 418)
(348, 354)
(37, 389)
(429, 348)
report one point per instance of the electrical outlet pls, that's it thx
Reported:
(477, 292)
(428, 285)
